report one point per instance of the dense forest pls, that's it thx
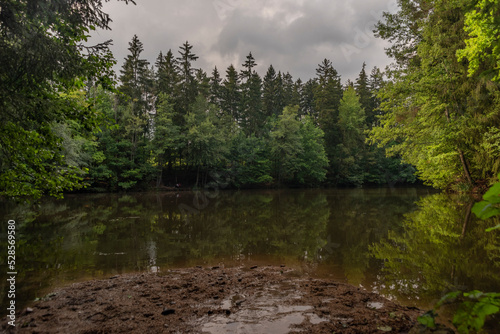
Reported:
(65, 124)
(173, 123)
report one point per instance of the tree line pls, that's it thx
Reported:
(65, 124)
(170, 123)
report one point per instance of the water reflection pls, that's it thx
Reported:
(440, 248)
(360, 236)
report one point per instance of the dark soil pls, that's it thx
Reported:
(214, 300)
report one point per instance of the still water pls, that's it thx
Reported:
(409, 244)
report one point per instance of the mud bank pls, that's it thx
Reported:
(214, 300)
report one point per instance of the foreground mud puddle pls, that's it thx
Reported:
(267, 299)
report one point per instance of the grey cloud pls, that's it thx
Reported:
(224, 31)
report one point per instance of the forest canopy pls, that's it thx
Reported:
(66, 124)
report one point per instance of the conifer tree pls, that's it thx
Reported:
(270, 92)
(365, 97)
(307, 105)
(216, 88)
(135, 76)
(166, 74)
(187, 87)
(247, 72)
(327, 95)
(253, 114)
(288, 87)
(231, 94)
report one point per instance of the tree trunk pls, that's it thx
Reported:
(466, 219)
(465, 167)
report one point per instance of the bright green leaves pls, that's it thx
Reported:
(428, 319)
(473, 309)
(35, 163)
(437, 118)
(482, 48)
(490, 206)
(297, 149)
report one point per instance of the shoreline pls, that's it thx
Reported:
(257, 299)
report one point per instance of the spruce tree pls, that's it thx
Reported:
(187, 87)
(246, 73)
(216, 88)
(365, 97)
(134, 75)
(231, 94)
(269, 92)
(166, 74)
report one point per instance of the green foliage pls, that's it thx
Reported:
(167, 122)
(436, 117)
(428, 319)
(473, 308)
(490, 206)
(482, 47)
(45, 56)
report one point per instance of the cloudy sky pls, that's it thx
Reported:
(292, 35)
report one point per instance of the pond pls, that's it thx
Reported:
(410, 244)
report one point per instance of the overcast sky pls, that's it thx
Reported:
(293, 35)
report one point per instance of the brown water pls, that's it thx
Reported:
(408, 244)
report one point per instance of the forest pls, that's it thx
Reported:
(67, 124)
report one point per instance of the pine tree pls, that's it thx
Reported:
(365, 96)
(288, 87)
(216, 88)
(296, 94)
(231, 94)
(327, 95)
(253, 114)
(375, 83)
(166, 74)
(203, 82)
(134, 75)
(187, 86)
(247, 72)
(269, 93)
(307, 105)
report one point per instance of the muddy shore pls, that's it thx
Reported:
(267, 299)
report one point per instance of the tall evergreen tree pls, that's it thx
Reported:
(253, 113)
(269, 92)
(216, 88)
(307, 105)
(250, 103)
(231, 94)
(166, 74)
(288, 87)
(296, 94)
(365, 96)
(327, 95)
(279, 98)
(203, 82)
(135, 76)
(247, 72)
(375, 84)
(187, 86)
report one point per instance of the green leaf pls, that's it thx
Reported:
(428, 319)
(485, 210)
(449, 296)
(493, 228)
(493, 194)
